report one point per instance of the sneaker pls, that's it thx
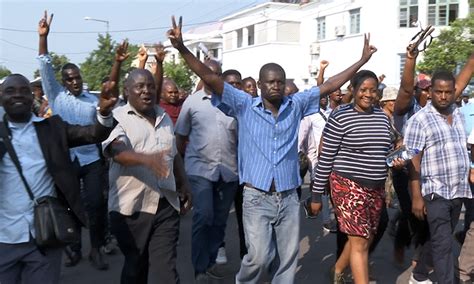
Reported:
(307, 208)
(330, 227)
(414, 281)
(111, 245)
(337, 278)
(221, 256)
(214, 273)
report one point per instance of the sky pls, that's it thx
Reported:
(75, 37)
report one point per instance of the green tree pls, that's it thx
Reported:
(4, 72)
(180, 73)
(98, 64)
(58, 62)
(451, 48)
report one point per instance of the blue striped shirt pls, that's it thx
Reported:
(80, 110)
(268, 145)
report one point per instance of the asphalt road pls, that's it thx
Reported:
(317, 255)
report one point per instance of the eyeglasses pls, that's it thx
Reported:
(422, 38)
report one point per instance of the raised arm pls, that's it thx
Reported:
(51, 87)
(158, 72)
(322, 66)
(407, 83)
(338, 80)
(43, 31)
(120, 56)
(465, 75)
(212, 80)
(142, 57)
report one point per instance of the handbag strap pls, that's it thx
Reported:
(4, 133)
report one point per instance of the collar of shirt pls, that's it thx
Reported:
(258, 104)
(159, 112)
(16, 125)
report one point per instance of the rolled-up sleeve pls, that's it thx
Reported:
(51, 87)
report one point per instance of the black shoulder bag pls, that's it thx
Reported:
(54, 223)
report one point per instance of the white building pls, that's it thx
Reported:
(298, 36)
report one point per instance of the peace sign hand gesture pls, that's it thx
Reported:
(368, 49)
(44, 24)
(174, 34)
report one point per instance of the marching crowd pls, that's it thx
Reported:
(129, 162)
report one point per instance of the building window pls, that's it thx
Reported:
(355, 21)
(251, 35)
(321, 28)
(442, 12)
(403, 59)
(240, 38)
(408, 13)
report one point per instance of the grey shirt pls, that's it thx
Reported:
(212, 149)
(137, 188)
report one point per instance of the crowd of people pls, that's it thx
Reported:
(128, 168)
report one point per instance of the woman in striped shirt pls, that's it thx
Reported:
(356, 141)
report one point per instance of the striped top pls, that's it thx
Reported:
(355, 145)
(268, 145)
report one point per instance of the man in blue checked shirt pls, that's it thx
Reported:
(268, 159)
(77, 106)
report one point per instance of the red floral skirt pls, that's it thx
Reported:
(357, 208)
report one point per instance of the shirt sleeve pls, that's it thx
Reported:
(309, 99)
(332, 138)
(232, 101)
(51, 87)
(414, 135)
(183, 124)
(117, 134)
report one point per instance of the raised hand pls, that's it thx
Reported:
(174, 34)
(107, 99)
(142, 57)
(368, 49)
(160, 52)
(44, 24)
(121, 52)
(323, 64)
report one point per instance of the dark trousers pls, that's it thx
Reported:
(442, 216)
(94, 181)
(238, 201)
(149, 244)
(24, 263)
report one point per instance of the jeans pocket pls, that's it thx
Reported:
(252, 198)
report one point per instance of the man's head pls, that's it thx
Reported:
(140, 90)
(37, 88)
(465, 97)
(290, 87)
(233, 77)
(336, 97)
(323, 102)
(249, 85)
(215, 68)
(442, 91)
(169, 92)
(422, 91)
(17, 98)
(72, 79)
(183, 95)
(271, 82)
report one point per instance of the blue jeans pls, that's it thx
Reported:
(211, 205)
(271, 225)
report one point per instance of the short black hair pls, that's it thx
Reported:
(230, 72)
(444, 76)
(68, 66)
(360, 77)
(247, 79)
(271, 67)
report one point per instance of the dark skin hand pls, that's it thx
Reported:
(121, 55)
(107, 99)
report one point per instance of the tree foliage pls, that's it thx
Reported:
(57, 61)
(98, 64)
(180, 73)
(4, 72)
(451, 48)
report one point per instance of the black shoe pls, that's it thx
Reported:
(96, 259)
(214, 273)
(330, 227)
(73, 257)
